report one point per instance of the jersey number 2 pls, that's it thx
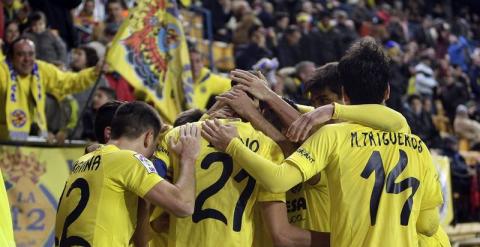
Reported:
(201, 214)
(81, 184)
(375, 164)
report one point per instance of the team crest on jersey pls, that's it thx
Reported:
(33, 207)
(146, 163)
(19, 118)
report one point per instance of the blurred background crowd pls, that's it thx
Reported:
(433, 46)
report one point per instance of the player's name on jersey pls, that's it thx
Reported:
(377, 139)
(90, 165)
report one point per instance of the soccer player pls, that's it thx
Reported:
(98, 206)
(383, 185)
(226, 194)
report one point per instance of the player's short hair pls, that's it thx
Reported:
(104, 118)
(188, 116)
(325, 77)
(364, 72)
(111, 94)
(133, 119)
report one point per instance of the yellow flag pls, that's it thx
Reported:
(150, 51)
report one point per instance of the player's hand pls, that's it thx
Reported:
(300, 129)
(255, 85)
(188, 144)
(239, 101)
(217, 134)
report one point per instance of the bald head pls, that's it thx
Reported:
(22, 56)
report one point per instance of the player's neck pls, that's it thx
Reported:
(127, 144)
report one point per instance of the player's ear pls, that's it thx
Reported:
(107, 133)
(386, 96)
(346, 99)
(149, 138)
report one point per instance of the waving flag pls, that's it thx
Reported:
(150, 52)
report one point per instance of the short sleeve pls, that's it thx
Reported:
(315, 153)
(432, 195)
(161, 157)
(137, 174)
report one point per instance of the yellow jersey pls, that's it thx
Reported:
(98, 206)
(439, 239)
(378, 182)
(308, 205)
(207, 86)
(225, 193)
(6, 228)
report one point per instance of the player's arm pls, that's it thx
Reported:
(239, 101)
(179, 198)
(298, 167)
(140, 236)
(283, 233)
(257, 86)
(428, 222)
(372, 115)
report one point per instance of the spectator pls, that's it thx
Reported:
(421, 122)
(345, 30)
(465, 127)
(461, 175)
(424, 78)
(458, 51)
(255, 50)
(206, 85)
(289, 53)
(12, 32)
(452, 94)
(303, 73)
(221, 14)
(26, 115)
(102, 96)
(307, 40)
(328, 49)
(58, 13)
(246, 19)
(281, 23)
(49, 47)
(398, 81)
(104, 32)
(85, 21)
(475, 73)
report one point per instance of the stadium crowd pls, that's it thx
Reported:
(433, 47)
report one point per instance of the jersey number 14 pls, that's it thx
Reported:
(375, 164)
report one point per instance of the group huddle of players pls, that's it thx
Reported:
(258, 170)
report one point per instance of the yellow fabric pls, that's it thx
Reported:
(373, 115)
(345, 151)
(342, 144)
(439, 239)
(150, 52)
(412, 88)
(52, 80)
(309, 205)
(220, 184)
(6, 229)
(305, 108)
(109, 181)
(207, 85)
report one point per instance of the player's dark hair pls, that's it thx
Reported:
(188, 116)
(133, 119)
(325, 77)
(104, 118)
(111, 94)
(364, 72)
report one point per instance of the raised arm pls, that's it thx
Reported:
(179, 198)
(267, 173)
